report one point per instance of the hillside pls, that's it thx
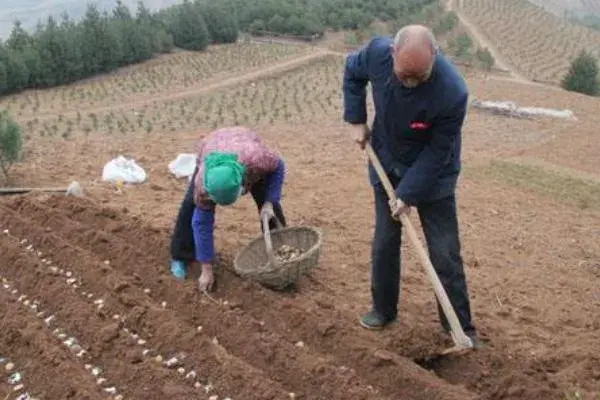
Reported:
(533, 41)
(29, 12)
(89, 308)
(577, 8)
(94, 270)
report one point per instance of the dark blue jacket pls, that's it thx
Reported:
(416, 132)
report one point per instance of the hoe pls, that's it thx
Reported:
(462, 343)
(74, 189)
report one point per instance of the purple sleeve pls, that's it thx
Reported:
(203, 227)
(275, 183)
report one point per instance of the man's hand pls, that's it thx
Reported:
(362, 133)
(207, 279)
(398, 208)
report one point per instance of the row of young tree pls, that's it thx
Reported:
(312, 17)
(61, 50)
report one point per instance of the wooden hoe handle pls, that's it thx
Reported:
(461, 340)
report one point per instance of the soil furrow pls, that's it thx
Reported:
(40, 357)
(164, 334)
(296, 367)
(111, 349)
(322, 327)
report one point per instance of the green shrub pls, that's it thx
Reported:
(582, 76)
(10, 142)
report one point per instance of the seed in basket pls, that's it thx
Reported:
(287, 253)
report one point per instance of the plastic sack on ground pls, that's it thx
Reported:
(183, 165)
(123, 169)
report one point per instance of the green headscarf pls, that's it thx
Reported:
(223, 177)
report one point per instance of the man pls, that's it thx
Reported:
(231, 162)
(420, 104)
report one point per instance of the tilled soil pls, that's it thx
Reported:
(103, 278)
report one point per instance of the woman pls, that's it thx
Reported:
(231, 162)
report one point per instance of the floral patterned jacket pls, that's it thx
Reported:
(252, 152)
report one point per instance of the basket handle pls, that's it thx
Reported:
(268, 242)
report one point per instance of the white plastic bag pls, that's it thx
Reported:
(183, 165)
(124, 170)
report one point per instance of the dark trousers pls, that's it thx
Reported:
(440, 225)
(182, 240)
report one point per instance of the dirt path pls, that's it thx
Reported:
(201, 89)
(483, 42)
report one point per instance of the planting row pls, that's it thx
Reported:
(169, 73)
(236, 338)
(310, 350)
(531, 38)
(295, 96)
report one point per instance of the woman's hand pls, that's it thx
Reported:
(267, 210)
(207, 279)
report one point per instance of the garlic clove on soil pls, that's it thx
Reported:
(15, 378)
(190, 375)
(171, 362)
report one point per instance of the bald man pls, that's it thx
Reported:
(420, 104)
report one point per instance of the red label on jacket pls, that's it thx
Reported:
(419, 125)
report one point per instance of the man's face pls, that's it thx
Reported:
(412, 67)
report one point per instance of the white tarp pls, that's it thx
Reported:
(123, 169)
(511, 108)
(183, 166)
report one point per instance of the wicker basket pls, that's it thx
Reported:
(252, 261)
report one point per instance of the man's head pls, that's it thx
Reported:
(223, 177)
(414, 51)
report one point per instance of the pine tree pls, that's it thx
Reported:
(583, 75)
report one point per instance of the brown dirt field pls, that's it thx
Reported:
(532, 263)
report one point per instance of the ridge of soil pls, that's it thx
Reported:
(253, 344)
